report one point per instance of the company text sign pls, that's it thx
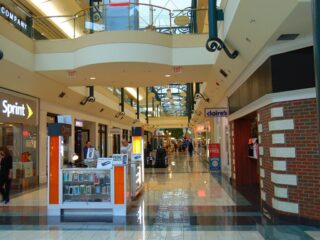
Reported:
(14, 109)
(216, 112)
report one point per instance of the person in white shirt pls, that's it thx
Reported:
(126, 148)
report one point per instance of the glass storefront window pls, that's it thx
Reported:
(22, 141)
(19, 133)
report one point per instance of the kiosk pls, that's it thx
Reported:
(137, 162)
(100, 189)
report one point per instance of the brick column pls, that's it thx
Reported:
(289, 158)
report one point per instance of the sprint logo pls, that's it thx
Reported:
(16, 109)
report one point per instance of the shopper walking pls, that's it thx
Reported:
(5, 173)
(190, 148)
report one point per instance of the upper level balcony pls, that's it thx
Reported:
(57, 20)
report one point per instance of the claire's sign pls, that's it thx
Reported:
(216, 112)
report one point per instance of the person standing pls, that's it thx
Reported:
(126, 148)
(190, 148)
(5, 173)
(85, 149)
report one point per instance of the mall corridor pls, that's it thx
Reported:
(183, 201)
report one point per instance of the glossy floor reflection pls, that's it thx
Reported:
(183, 201)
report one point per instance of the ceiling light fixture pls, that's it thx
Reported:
(167, 75)
(93, 78)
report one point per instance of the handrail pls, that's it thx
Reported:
(140, 16)
(107, 4)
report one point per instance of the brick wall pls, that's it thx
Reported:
(289, 157)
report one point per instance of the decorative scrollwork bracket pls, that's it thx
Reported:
(216, 44)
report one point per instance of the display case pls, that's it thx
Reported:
(86, 185)
(136, 178)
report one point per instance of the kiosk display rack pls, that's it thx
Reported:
(86, 185)
(137, 163)
(100, 190)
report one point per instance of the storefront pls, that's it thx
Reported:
(19, 132)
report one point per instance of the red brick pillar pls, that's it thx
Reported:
(289, 158)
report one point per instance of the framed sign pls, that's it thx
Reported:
(104, 163)
(120, 159)
(136, 157)
(90, 153)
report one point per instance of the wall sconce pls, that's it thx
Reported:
(62, 94)
(120, 115)
(199, 96)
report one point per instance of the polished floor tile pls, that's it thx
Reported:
(182, 201)
(314, 234)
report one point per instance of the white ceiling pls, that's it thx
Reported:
(255, 27)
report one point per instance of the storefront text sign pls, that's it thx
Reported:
(216, 112)
(6, 13)
(14, 109)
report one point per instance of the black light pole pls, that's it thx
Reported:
(147, 103)
(122, 100)
(316, 40)
(138, 104)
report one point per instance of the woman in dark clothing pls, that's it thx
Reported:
(190, 148)
(5, 173)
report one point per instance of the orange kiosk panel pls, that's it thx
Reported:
(54, 170)
(119, 187)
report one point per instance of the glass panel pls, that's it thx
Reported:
(86, 185)
(22, 141)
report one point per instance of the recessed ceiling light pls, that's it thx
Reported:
(167, 75)
(92, 78)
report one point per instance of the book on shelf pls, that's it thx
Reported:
(96, 179)
(80, 177)
(76, 190)
(70, 177)
(98, 189)
(88, 190)
(91, 177)
(70, 190)
(82, 189)
(75, 177)
(65, 176)
(85, 177)
(104, 190)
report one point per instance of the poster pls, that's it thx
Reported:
(104, 163)
(214, 150)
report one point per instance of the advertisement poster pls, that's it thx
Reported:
(104, 163)
(214, 164)
(214, 150)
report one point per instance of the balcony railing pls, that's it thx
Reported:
(108, 17)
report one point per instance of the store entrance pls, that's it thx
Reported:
(246, 159)
(116, 143)
(81, 137)
(21, 141)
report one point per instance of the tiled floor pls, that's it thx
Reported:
(183, 201)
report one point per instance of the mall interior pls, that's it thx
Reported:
(153, 119)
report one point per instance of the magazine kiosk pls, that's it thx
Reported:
(99, 189)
